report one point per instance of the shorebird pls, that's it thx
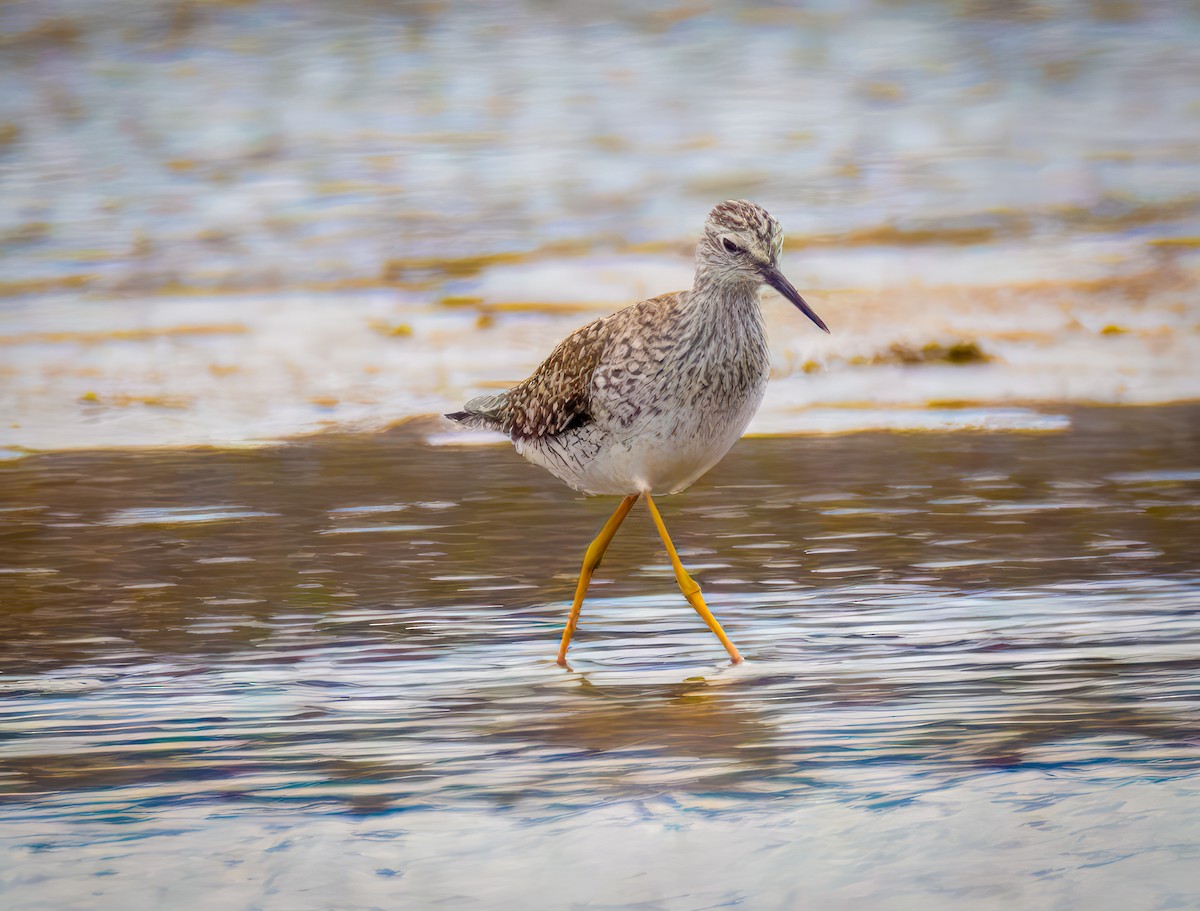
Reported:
(647, 400)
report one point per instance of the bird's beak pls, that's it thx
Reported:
(773, 277)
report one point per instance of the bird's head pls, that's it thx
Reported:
(741, 246)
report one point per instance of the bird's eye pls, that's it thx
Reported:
(730, 245)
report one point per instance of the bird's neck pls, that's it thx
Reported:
(725, 310)
(722, 295)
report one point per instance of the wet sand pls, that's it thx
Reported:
(320, 675)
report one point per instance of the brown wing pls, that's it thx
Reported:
(556, 396)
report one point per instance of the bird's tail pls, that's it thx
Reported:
(485, 412)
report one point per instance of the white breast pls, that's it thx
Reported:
(665, 453)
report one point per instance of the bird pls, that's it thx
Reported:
(644, 401)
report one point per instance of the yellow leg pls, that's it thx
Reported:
(688, 586)
(591, 560)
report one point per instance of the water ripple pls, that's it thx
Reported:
(174, 677)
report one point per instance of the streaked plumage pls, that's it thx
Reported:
(648, 399)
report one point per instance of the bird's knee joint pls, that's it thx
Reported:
(592, 557)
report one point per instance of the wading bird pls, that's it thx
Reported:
(648, 399)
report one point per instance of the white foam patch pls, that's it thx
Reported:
(466, 438)
(847, 420)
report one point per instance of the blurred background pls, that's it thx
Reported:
(232, 221)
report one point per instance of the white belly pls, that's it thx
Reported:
(665, 454)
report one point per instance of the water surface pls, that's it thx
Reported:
(320, 676)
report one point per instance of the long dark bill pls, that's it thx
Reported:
(775, 279)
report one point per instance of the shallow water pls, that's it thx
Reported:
(321, 675)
